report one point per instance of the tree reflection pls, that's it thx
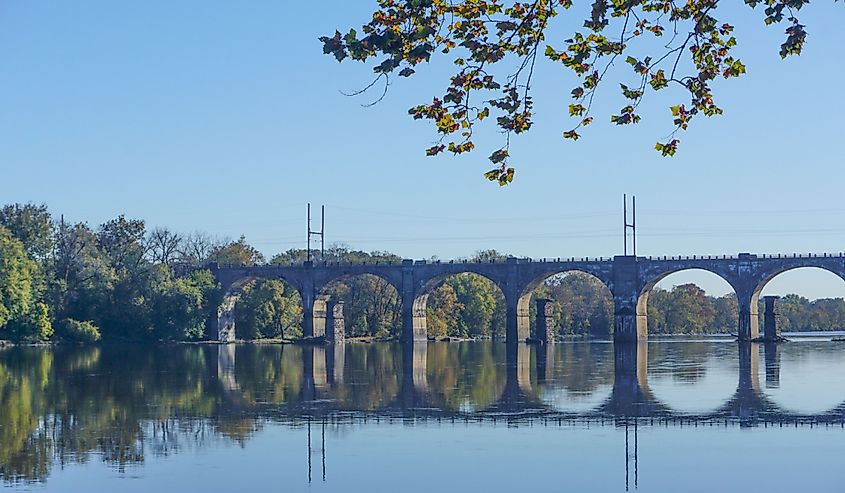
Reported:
(123, 404)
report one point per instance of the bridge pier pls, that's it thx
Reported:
(308, 293)
(414, 327)
(517, 320)
(630, 315)
(544, 331)
(771, 331)
(749, 325)
(335, 325)
(319, 317)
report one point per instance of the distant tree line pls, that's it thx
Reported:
(121, 281)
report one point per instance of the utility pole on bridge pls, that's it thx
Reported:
(321, 233)
(632, 225)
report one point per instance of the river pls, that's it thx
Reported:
(672, 415)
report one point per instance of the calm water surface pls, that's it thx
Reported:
(667, 416)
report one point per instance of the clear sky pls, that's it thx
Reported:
(226, 117)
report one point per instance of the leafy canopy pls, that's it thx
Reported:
(494, 45)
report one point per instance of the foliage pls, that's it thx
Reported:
(494, 46)
(797, 314)
(118, 277)
(74, 330)
(686, 309)
(581, 304)
(269, 308)
(442, 311)
(32, 326)
(372, 306)
(236, 253)
(31, 224)
(181, 306)
(16, 286)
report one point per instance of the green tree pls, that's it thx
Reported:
(33, 326)
(582, 304)
(22, 316)
(125, 311)
(372, 306)
(236, 253)
(489, 256)
(181, 306)
(269, 308)
(477, 299)
(82, 274)
(686, 309)
(16, 271)
(31, 224)
(442, 311)
(494, 46)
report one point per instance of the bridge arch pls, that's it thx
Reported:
(372, 302)
(584, 278)
(223, 322)
(426, 287)
(770, 275)
(653, 279)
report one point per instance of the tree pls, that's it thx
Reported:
(270, 308)
(582, 304)
(22, 316)
(125, 310)
(442, 311)
(478, 299)
(236, 253)
(31, 224)
(82, 275)
(123, 240)
(181, 306)
(489, 256)
(16, 272)
(494, 46)
(197, 248)
(164, 246)
(32, 326)
(372, 306)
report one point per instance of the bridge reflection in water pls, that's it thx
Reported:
(61, 405)
(515, 383)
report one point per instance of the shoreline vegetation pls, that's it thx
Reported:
(320, 341)
(123, 282)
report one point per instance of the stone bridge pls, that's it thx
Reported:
(629, 279)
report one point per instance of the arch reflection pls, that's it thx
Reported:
(692, 378)
(804, 377)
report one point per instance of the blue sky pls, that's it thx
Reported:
(226, 117)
